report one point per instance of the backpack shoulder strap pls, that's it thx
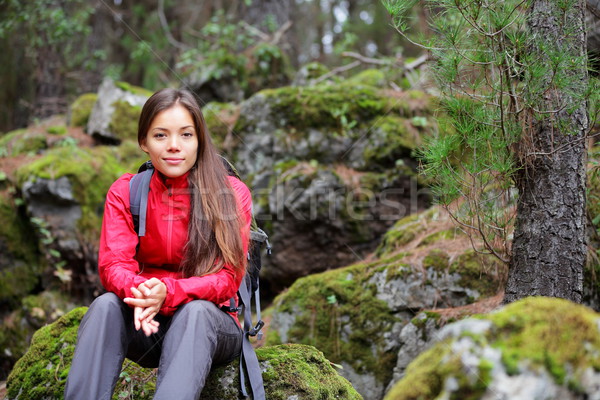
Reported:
(139, 186)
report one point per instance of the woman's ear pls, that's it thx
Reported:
(144, 147)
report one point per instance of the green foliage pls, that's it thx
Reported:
(229, 52)
(50, 25)
(490, 87)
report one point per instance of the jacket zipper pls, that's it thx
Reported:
(170, 225)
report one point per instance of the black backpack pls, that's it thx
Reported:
(139, 187)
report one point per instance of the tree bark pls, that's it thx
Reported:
(549, 246)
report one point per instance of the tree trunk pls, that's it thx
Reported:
(549, 246)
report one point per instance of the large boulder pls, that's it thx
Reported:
(63, 194)
(356, 314)
(115, 114)
(331, 167)
(533, 349)
(289, 371)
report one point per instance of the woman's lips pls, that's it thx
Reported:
(173, 161)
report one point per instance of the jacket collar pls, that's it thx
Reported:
(179, 182)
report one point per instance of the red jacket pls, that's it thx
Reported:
(161, 249)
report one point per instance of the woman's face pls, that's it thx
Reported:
(172, 141)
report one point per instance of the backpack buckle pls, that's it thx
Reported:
(256, 330)
(230, 309)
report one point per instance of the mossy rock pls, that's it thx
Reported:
(309, 72)
(336, 106)
(81, 109)
(115, 114)
(437, 259)
(289, 371)
(137, 90)
(478, 271)
(22, 141)
(401, 233)
(42, 372)
(90, 172)
(124, 120)
(369, 77)
(391, 138)
(58, 130)
(20, 267)
(540, 347)
(339, 313)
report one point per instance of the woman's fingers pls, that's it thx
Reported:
(150, 327)
(137, 311)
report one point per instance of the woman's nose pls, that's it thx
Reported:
(173, 143)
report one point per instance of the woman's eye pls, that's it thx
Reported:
(159, 135)
(188, 134)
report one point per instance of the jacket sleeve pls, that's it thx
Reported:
(220, 286)
(117, 266)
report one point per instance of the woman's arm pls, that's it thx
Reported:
(222, 285)
(117, 266)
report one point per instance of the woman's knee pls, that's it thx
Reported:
(106, 304)
(197, 308)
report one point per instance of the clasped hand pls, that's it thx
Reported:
(148, 298)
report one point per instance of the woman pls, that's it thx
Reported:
(165, 289)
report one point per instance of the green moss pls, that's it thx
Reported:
(391, 137)
(82, 108)
(57, 130)
(24, 271)
(140, 91)
(477, 271)
(425, 376)
(330, 106)
(323, 302)
(124, 121)
(41, 372)
(292, 371)
(436, 259)
(551, 333)
(369, 77)
(447, 234)
(22, 141)
(401, 233)
(315, 70)
(90, 171)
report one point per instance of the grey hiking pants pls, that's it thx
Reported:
(187, 344)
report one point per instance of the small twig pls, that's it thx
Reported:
(364, 59)
(165, 25)
(279, 34)
(336, 71)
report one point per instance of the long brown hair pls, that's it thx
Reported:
(214, 228)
